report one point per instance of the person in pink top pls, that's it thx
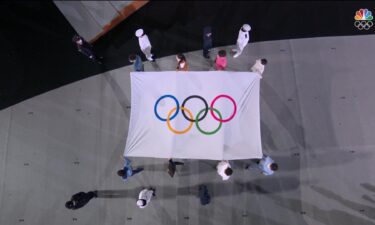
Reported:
(221, 60)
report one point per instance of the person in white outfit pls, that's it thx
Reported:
(144, 44)
(145, 197)
(224, 170)
(258, 66)
(242, 40)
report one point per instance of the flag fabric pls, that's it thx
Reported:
(194, 115)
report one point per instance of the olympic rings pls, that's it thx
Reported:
(234, 104)
(157, 102)
(205, 132)
(363, 24)
(205, 103)
(183, 131)
(197, 119)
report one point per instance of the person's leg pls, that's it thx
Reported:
(253, 164)
(205, 52)
(238, 50)
(137, 171)
(153, 191)
(91, 194)
(95, 59)
(147, 52)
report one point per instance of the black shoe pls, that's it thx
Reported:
(247, 166)
(153, 192)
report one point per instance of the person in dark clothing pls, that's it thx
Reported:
(204, 196)
(207, 41)
(172, 167)
(86, 48)
(80, 199)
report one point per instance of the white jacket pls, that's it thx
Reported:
(258, 67)
(243, 38)
(221, 167)
(144, 42)
(145, 194)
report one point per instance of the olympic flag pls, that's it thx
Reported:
(194, 115)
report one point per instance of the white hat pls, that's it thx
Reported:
(139, 32)
(140, 202)
(246, 27)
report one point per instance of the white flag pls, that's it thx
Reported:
(194, 115)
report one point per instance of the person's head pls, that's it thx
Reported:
(222, 53)
(121, 173)
(274, 166)
(263, 61)
(228, 171)
(141, 202)
(139, 33)
(132, 58)
(246, 28)
(69, 205)
(180, 57)
(77, 39)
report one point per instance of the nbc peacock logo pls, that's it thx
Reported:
(363, 19)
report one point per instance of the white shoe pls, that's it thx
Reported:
(236, 55)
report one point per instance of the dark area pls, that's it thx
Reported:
(38, 55)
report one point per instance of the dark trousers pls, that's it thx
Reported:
(206, 50)
(204, 197)
(137, 171)
(87, 51)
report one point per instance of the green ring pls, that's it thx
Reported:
(197, 122)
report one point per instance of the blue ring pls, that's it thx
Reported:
(157, 102)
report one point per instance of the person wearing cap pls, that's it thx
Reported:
(144, 44)
(86, 48)
(145, 196)
(258, 66)
(224, 170)
(266, 165)
(242, 40)
(207, 41)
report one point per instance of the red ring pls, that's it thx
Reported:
(212, 106)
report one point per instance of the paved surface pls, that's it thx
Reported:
(316, 119)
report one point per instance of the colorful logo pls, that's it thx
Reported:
(363, 14)
(363, 19)
(198, 117)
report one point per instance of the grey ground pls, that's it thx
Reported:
(317, 122)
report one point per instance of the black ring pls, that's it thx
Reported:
(195, 96)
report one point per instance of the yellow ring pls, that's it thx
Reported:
(183, 131)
